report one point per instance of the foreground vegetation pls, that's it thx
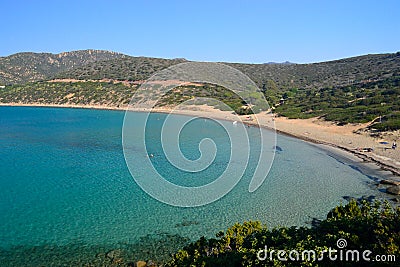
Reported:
(364, 225)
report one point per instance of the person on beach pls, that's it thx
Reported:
(394, 145)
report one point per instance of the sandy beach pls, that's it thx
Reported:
(312, 130)
(347, 137)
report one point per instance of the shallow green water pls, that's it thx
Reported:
(66, 193)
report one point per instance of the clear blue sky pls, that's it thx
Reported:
(232, 31)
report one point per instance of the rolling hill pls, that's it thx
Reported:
(96, 64)
(28, 67)
(125, 68)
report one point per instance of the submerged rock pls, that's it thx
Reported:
(114, 254)
(395, 190)
(186, 223)
(150, 263)
(141, 264)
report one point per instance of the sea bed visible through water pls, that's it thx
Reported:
(67, 195)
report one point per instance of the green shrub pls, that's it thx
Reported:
(364, 225)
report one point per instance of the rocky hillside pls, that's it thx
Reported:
(341, 72)
(96, 65)
(274, 79)
(126, 68)
(28, 67)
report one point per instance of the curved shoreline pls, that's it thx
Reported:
(360, 155)
(224, 115)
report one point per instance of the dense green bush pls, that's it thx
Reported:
(359, 103)
(79, 93)
(390, 122)
(364, 226)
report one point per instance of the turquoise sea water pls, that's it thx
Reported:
(66, 194)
